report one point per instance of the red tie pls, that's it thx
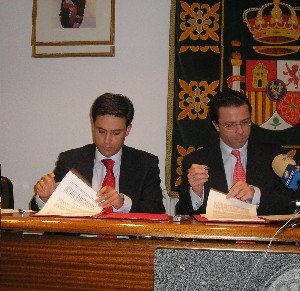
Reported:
(109, 179)
(238, 172)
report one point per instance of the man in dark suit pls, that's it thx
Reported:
(137, 182)
(213, 166)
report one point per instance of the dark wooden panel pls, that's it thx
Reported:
(75, 263)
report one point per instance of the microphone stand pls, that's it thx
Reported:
(297, 204)
(296, 221)
(297, 211)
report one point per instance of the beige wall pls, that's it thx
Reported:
(44, 103)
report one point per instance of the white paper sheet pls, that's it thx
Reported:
(281, 217)
(221, 208)
(72, 197)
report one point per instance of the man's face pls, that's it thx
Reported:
(109, 134)
(234, 126)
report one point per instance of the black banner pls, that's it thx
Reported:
(252, 46)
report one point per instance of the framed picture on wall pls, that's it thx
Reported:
(73, 28)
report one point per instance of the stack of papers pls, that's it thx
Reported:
(72, 198)
(219, 208)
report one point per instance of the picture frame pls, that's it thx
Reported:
(93, 36)
(73, 51)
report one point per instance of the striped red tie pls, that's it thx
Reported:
(238, 172)
(109, 179)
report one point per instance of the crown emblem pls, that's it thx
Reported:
(274, 23)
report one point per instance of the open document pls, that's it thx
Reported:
(221, 208)
(72, 197)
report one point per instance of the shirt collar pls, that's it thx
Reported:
(226, 150)
(116, 157)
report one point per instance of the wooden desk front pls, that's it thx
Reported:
(62, 261)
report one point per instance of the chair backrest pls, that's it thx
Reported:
(7, 194)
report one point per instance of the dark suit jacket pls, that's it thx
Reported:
(275, 197)
(139, 175)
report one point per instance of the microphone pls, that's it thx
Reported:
(285, 167)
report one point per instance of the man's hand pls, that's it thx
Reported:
(241, 190)
(109, 196)
(45, 186)
(197, 176)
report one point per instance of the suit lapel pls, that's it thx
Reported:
(127, 171)
(217, 169)
(254, 155)
(85, 167)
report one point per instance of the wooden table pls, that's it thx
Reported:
(60, 259)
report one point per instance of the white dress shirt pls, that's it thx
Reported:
(99, 172)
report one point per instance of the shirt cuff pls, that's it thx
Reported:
(39, 202)
(256, 196)
(197, 200)
(126, 205)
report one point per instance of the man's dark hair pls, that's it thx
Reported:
(113, 104)
(226, 98)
